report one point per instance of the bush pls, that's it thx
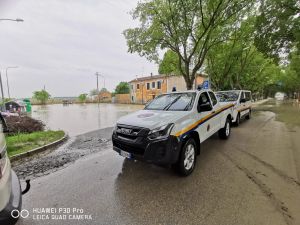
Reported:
(23, 124)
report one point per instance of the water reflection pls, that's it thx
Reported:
(80, 118)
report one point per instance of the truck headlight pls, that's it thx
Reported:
(160, 132)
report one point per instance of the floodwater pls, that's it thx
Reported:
(81, 118)
(286, 111)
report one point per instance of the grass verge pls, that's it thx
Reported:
(21, 143)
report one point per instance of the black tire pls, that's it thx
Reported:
(238, 120)
(248, 117)
(224, 132)
(181, 166)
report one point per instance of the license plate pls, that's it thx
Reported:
(125, 154)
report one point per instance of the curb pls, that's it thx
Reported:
(39, 149)
(257, 103)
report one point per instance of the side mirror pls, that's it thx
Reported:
(243, 100)
(204, 107)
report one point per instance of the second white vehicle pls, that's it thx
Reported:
(171, 127)
(242, 101)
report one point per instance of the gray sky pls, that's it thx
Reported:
(62, 43)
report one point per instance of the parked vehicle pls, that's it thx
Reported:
(242, 101)
(169, 130)
(10, 189)
(280, 96)
(16, 106)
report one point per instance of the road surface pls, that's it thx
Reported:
(252, 178)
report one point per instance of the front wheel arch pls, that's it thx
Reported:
(179, 166)
(195, 136)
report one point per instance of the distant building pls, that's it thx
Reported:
(104, 96)
(144, 89)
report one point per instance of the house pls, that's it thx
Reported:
(104, 96)
(144, 89)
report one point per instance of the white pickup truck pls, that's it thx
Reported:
(241, 99)
(169, 130)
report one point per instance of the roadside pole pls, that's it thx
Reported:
(2, 93)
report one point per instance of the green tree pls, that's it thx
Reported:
(238, 64)
(42, 96)
(103, 90)
(278, 27)
(290, 79)
(122, 88)
(82, 98)
(169, 64)
(189, 28)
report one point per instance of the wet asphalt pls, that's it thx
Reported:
(252, 178)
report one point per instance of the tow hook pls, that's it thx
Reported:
(27, 187)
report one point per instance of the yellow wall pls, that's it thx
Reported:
(122, 98)
(143, 95)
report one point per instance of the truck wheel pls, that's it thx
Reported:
(187, 158)
(224, 132)
(238, 120)
(248, 116)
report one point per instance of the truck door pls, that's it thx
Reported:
(243, 105)
(215, 121)
(204, 129)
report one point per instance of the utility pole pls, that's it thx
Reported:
(97, 75)
(2, 93)
(10, 67)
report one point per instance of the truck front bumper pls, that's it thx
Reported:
(15, 201)
(161, 152)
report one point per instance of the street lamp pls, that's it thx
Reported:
(16, 20)
(10, 67)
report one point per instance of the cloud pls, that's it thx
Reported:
(61, 44)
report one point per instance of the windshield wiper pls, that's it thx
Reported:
(188, 105)
(169, 105)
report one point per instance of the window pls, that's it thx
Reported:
(173, 102)
(159, 84)
(203, 98)
(213, 98)
(153, 85)
(247, 96)
(228, 96)
(242, 95)
(137, 86)
(148, 86)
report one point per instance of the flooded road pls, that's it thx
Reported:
(81, 118)
(252, 178)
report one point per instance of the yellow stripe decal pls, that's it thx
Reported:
(196, 124)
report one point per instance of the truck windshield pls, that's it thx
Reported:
(228, 96)
(173, 102)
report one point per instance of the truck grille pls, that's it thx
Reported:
(130, 132)
(128, 148)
